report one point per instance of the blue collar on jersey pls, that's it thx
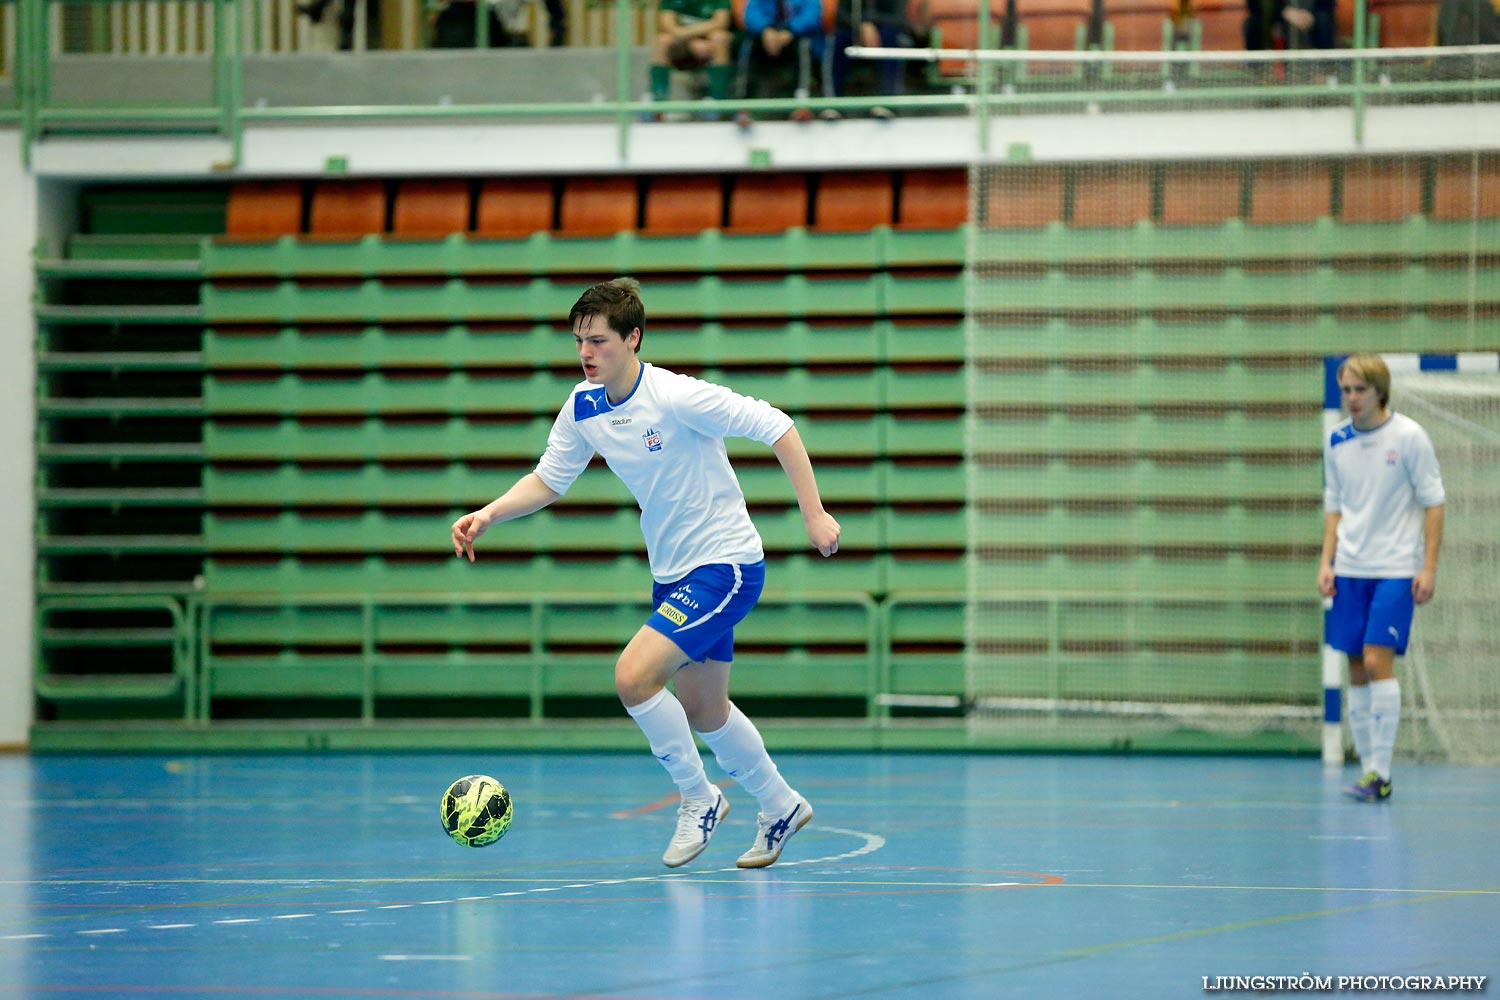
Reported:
(592, 402)
(1348, 432)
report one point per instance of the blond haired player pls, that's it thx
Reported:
(1382, 527)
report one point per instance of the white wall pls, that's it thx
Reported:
(18, 224)
(384, 150)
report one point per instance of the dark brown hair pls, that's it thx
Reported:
(619, 302)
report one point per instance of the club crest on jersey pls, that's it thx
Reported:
(653, 439)
(1390, 458)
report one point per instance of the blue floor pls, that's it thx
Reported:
(921, 876)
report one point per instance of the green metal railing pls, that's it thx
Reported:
(982, 94)
(539, 661)
(177, 634)
(194, 629)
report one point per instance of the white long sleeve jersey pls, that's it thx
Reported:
(1381, 481)
(666, 443)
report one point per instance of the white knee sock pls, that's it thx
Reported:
(1385, 716)
(1359, 723)
(741, 752)
(666, 727)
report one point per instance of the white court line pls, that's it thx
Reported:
(872, 842)
(427, 958)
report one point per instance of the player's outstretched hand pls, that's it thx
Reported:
(1423, 586)
(823, 531)
(1325, 582)
(466, 530)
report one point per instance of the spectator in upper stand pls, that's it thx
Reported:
(692, 35)
(456, 26)
(872, 24)
(784, 37)
(1289, 24)
(315, 10)
(1469, 22)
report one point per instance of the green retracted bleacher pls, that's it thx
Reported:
(261, 404)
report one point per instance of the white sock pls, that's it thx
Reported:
(741, 752)
(1385, 716)
(1359, 723)
(666, 727)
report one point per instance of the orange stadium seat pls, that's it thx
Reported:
(430, 208)
(344, 210)
(1221, 24)
(1464, 189)
(686, 204)
(1110, 197)
(264, 209)
(1195, 194)
(958, 23)
(1290, 192)
(513, 207)
(768, 203)
(850, 201)
(1406, 23)
(934, 199)
(598, 206)
(1053, 24)
(1381, 190)
(1140, 25)
(1343, 22)
(1024, 197)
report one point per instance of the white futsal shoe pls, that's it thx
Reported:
(696, 823)
(772, 833)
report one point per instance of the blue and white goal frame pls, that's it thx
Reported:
(1399, 364)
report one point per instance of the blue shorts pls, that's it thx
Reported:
(699, 611)
(1369, 612)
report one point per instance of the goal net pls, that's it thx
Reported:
(1451, 686)
(1163, 252)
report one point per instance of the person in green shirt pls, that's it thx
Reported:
(692, 35)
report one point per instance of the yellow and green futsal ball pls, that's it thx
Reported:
(476, 810)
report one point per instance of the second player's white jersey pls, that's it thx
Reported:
(666, 443)
(1380, 481)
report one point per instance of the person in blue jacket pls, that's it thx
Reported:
(783, 39)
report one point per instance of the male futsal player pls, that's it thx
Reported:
(1382, 525)
(663, 434)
